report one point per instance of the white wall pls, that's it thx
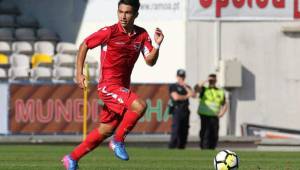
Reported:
(4, 99)
(270, 92)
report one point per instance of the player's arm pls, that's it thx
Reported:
(80, 78)
(152, 57)
(92, 41)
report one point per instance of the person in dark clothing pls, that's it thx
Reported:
(212, 107)
(180, 93)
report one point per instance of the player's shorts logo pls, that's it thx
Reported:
(113, 95)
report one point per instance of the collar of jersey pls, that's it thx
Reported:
(121, 29)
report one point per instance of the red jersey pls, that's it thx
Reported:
(119, 52)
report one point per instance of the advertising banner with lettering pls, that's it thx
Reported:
(244, 9)
(58, 109)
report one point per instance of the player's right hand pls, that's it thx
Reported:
(80, 78)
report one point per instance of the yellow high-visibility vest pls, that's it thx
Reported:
(211, 101)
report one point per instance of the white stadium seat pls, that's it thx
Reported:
(63, 73)
(22, 47)
(64, 60)
(41, 73)
(19, 67)
(5, 47)
(44, 47)
(66, 48)
(3, 75)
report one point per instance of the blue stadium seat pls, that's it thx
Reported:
(7, 21)
(8, 7)
(6, 34)
(25, 34)
(26, 22)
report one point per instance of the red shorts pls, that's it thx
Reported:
(116, 99)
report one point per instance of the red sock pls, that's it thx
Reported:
(128, 122)
(93, 139)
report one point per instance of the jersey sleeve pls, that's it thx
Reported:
(172, 88)
(147, 45)
(98, 38)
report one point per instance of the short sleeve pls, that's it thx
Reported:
(172, 88)
(98, 38)
(147, 45)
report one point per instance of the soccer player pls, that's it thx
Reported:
(121, 45)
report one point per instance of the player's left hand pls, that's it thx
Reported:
(158, 36)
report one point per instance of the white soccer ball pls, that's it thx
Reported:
(226, 160)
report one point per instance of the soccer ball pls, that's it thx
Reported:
(226, 160)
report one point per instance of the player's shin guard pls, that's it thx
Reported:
(128, 122)
(93, 139)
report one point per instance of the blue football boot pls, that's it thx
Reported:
(119, 150)
(69, 163)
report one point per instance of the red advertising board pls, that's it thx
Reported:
(49, 109)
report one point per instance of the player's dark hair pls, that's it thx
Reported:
(134, 3)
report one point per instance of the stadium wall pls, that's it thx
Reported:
(4, 107)
(270, 92)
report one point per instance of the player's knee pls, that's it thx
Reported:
(139, 106)
(106, 131)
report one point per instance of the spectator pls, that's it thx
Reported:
(180, 93)
(212, 107)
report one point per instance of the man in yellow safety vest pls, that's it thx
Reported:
(212, 106)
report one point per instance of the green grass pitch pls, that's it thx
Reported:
(47, 157)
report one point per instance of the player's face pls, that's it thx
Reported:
(126, 15)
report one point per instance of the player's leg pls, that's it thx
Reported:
(94, 138)
(135, 109)
(131, 116)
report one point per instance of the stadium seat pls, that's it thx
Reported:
(44, 60)
(3, 59)
(22, 47)
(6, 34)
(26, 22)
(3, 74)
(92, 62)
(19, 67)
(93, 74)
(66, 48)
(7, 21)
(44, 47)
(41, 73)
(44, 34)
(63, 73)
(4, 65)
(8, 7)
(64, 60)
(25, 34)
(5, 47)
